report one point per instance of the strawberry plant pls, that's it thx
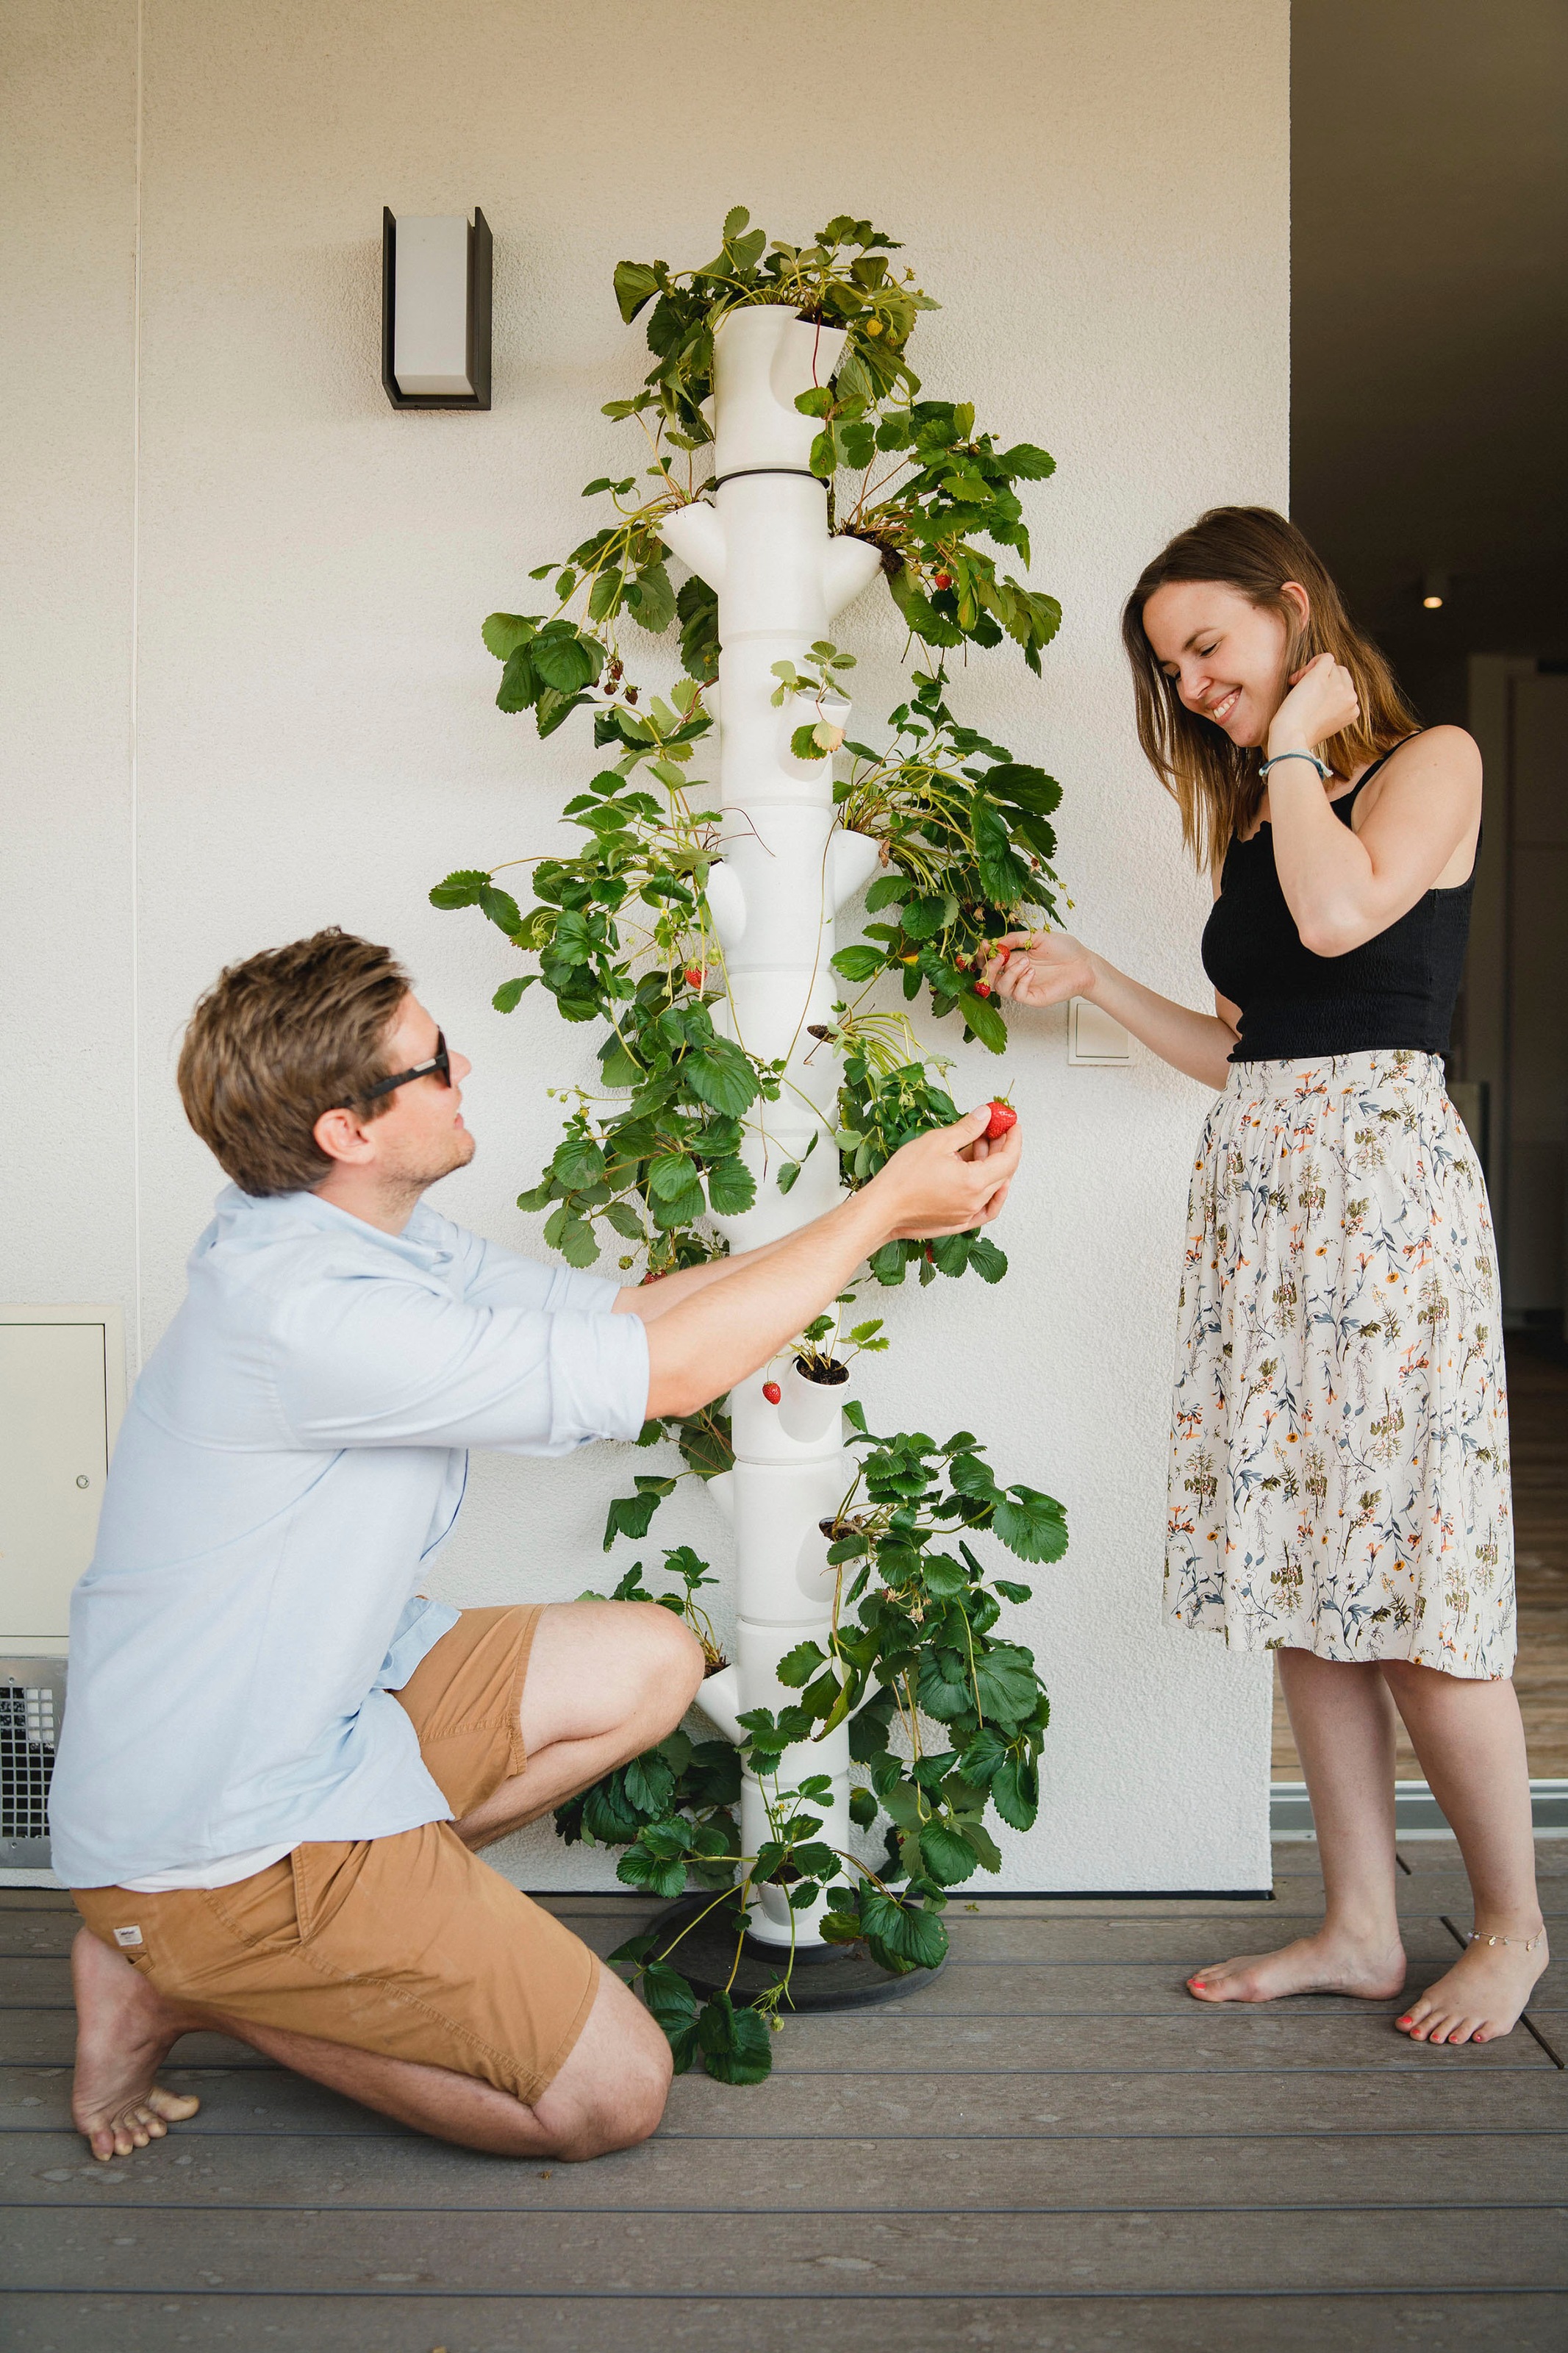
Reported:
(944, 1707)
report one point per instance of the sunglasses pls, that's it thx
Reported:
(438, 1066)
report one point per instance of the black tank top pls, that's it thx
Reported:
(1395, 989)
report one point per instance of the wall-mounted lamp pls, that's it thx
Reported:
(1435, 591)
(436, 309)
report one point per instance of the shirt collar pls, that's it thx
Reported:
(250, 1220)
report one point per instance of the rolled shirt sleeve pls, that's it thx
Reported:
(384, 1363)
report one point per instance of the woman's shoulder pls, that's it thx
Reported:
(1446, 757)
(1452, 749)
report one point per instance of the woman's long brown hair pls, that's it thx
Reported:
(1214, 782)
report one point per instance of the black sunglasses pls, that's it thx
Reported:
(439, 1066)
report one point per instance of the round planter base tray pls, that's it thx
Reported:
(824, 1977)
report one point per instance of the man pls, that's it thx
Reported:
(278, 1757)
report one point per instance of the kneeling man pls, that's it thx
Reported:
(278, 1757)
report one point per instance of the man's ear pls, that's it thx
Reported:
(341, 1135)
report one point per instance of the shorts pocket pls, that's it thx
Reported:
(263, 1911)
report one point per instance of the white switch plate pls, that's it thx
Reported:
(1093, 1036)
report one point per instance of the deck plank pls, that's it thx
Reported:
(267, 2102)
(394, 2320)
(1316, 2031)
(172, 2252)
(1129, 2171)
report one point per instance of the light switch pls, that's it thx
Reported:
(1093, 1036)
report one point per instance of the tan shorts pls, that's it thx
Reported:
(409, 1946)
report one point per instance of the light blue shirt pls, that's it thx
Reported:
(293, 1455)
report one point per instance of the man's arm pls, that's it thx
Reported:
(715, 1330)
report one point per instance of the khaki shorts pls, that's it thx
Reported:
(409, 1946)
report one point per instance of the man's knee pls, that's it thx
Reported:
(628, 2111)
(672, 1663)
(612, 2091)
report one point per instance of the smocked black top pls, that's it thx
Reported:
(1397, 989)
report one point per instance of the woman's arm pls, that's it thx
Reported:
(1344, 886)
(1044, 967)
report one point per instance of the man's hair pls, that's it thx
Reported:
(281, 1039)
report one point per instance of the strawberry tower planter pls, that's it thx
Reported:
(764, 547)
(751, 1066)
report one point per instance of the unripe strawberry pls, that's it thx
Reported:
(772, 1391)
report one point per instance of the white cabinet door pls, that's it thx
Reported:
(54, 1456)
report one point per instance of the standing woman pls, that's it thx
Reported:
(1339, 1489)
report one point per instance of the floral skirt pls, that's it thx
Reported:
(1339, 1462)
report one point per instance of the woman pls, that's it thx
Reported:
(1339, 1486)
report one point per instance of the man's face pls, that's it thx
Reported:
(420, 1137)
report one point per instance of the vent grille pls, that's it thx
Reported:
(27, 1758)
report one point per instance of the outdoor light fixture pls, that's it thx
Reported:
(436, 309)
(1434, 590)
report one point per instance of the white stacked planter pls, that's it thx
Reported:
(763, 547)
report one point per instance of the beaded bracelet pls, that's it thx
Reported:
(1322, 767)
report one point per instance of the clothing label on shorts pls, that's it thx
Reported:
(128, 1936)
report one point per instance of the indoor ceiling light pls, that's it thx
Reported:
(1434, 590)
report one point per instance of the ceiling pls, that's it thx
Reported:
(1429, 192)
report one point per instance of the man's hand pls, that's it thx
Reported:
(945, 1182)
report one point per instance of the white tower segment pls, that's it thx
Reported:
(763, 547)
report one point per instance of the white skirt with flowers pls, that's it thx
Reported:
(1339, 1465)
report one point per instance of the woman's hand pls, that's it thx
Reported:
(1041, 968)
(1323, 699)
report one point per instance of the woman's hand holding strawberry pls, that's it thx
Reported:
(1040, 969)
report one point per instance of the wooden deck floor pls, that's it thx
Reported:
(1538, 1420)
(1081, 2159)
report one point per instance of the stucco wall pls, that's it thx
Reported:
(253, 699)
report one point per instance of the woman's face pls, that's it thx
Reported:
(1225, 655)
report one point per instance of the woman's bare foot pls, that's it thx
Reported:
(1482, 1995)
(125, 2030)
(1329, 1962)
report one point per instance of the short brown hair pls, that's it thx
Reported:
(1214, 782)
(277, 1041)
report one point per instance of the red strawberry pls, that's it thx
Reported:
(696, 976)
(772, 1391)
(982, 988)
(942, 579)
(1002, 1117)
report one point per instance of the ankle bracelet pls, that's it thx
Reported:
(1526, 1944)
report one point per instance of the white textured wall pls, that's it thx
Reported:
(252, 697)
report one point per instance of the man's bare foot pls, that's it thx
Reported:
(1328, 1962)
(1481, 1996)
(124, 2031)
